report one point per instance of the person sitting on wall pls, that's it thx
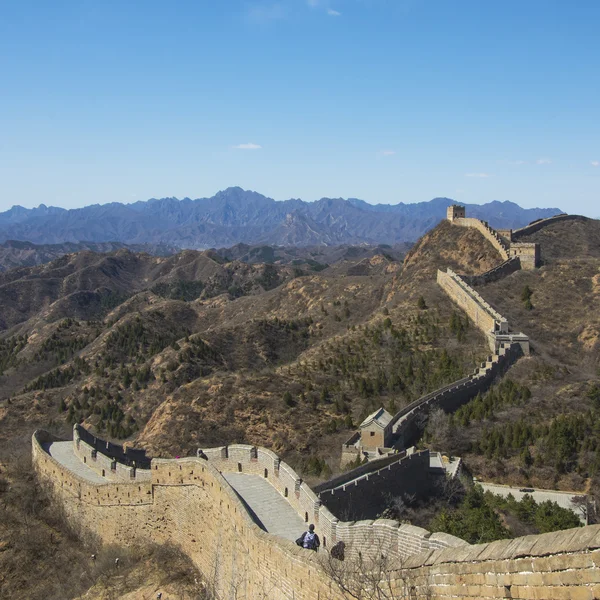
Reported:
(309, 539)
(338, 551)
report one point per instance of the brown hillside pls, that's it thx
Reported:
(461, 249)
(561, 374)
(216, 369)
(87, 284)
(568, 239)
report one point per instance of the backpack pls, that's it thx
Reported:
(309, 540)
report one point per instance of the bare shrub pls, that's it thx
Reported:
(373, 577)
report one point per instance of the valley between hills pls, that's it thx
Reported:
(201, 348)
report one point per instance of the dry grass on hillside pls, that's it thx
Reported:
(217, 370)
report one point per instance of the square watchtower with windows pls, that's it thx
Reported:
(455, 212)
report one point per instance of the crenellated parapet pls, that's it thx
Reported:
(110, 461)
(190, 504)
(504, 240)
(486, 318)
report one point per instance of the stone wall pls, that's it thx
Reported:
(350, 450)
(481, 313)
(129, 456)
(483, 316)
(191, 505)
(505, 242)
(367, 495)
(502, 270)
(410, 422)
(371, 466)
(242, 458)
(528, 254)
(106, 466)
(537, 225)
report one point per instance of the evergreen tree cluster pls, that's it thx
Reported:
(477, 519)
(135, 340)
(474, 520)
(269, 279)
(179, 289)
(104, 403)
(569, 443)
(9, 350)
(59, 377)
(544, 517)
(526, 297)
(459, 326)
(507, 393)
(314, 465)
(386, 361)
(110, 299)
(63, 343)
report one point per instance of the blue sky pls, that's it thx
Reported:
(385, 100)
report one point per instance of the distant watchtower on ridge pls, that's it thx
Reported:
(455, 212)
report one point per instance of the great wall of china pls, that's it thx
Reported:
(236, 510)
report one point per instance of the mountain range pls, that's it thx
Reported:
(235, 216)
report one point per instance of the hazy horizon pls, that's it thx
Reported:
(154, 198)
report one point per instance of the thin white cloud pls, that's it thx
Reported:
(387, 152)
(266, 12)
(516, 162)
(333, 13)
(543, 161)
(247, 146)
(595, 163)
(481, 175)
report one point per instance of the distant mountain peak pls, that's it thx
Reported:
(235, 215)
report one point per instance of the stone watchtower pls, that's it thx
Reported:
(455, 212)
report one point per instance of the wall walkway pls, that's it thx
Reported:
(189, 503)
(63, 453)
(269, 509)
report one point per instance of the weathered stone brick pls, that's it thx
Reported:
(203, 514)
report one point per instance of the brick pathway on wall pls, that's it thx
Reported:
(63, 453)
(271, 510)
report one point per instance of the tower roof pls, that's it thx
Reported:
(380, 417)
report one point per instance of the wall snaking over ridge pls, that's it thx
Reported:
(410, 421)
(485, 318)
(537, 225)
